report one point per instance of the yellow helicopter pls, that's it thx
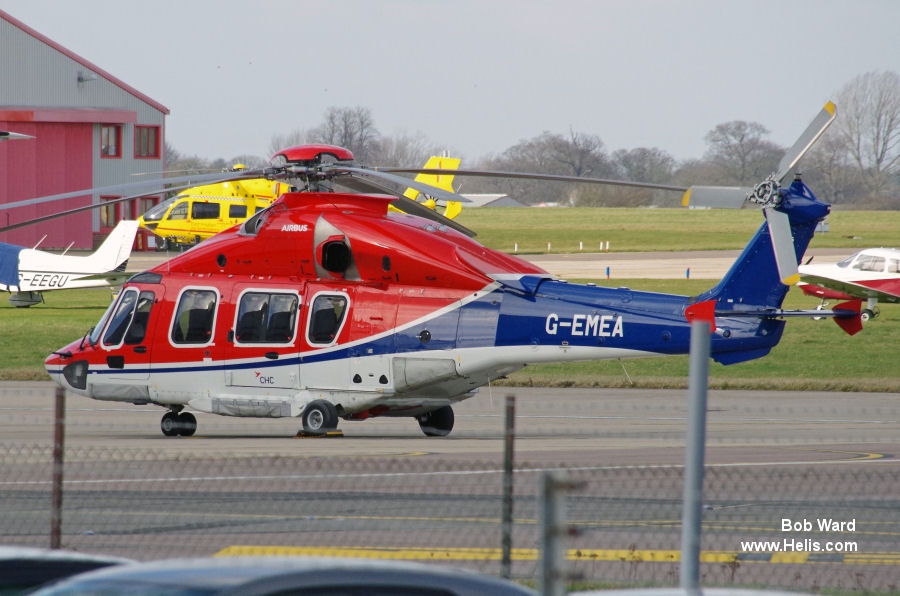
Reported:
(203, 211)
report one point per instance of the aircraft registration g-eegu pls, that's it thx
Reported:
(28, 272)
(328, 306)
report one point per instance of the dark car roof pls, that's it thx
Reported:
(25, 567)
(265, 575)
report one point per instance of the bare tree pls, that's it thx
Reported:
(550, 153)
(829, 169)
(740, 153)
(291, 139)
(405, 150)
(351, 128)
(868, 127)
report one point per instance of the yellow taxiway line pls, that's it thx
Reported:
(532, 554)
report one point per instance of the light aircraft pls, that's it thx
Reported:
(328, 306)
(872, 274)
(200, 212)
(28, 272)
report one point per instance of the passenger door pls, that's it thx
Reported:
(262, 342)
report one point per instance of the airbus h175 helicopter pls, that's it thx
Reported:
(327, 305)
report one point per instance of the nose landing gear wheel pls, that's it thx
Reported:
(437, 423)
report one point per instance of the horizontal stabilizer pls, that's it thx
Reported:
(845, 314)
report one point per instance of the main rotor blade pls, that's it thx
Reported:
(531, 176)
(43, 218)
(384, 184)
(783, 245)
(432, 191)
(412, 207)
(806, 140)
(152, 186)
(717, 197)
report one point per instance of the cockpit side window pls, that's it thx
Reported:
(179, 211)
(193, 322)
(265, 317)
(120, 320)
(869, 263)
(138, 328)
(325, 318)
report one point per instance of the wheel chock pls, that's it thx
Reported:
(302, 434)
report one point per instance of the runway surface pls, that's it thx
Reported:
(633, 426)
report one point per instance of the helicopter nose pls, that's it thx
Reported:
(65, 371)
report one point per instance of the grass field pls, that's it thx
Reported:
(629, 230)
(811, 355)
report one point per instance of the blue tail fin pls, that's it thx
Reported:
(753, 282)
(747, 298)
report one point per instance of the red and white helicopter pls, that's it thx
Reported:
(329, 306)
(872, 274)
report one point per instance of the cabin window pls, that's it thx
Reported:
(237, 211)
(894, 266)
(205, 210)
(325, 318)
(110, 140)
(869, 263)
(146, 141)
(193, 323)
(266, 317)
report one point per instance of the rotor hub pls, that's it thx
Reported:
(765, 193)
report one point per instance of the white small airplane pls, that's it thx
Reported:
(27, 272)
(872, 274)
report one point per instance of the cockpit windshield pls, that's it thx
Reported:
(156, 212)
(846, 262)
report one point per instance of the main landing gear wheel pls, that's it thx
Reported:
(437, 423)
(319, 417)
(184, 424)
(868, 314)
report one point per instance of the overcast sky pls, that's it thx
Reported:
(477, 76)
